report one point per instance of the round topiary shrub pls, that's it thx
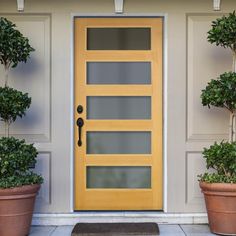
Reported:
(16, 159)
(223, 32)
(221, 92)
(13, 104)
(221, 158)
(14, 47)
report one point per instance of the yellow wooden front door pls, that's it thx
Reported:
(118, 113)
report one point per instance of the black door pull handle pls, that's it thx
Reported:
(80, 123)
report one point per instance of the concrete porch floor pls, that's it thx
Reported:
(178, 230)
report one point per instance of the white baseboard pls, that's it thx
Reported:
(92, 217)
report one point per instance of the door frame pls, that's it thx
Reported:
(164, 95)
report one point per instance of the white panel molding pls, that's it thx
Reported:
(39, 138)
(97, 217)
(195, 165)
(203, 64)
(198, 137)
(43, 167)
(34, 77)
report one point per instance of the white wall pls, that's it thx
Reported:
(190, 60)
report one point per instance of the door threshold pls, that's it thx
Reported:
(109, 217)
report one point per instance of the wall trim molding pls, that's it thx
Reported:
(193, 134)
(92, 217)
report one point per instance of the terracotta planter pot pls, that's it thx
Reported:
(16, 210)
(220, 202)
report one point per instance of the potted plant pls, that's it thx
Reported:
(219, 186)
(18, 185)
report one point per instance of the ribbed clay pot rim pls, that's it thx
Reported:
(25, 189)
(218, 187)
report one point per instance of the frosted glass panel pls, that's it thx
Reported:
(118, 39)
(119, 73)
(109, 107)
(101, 142)
(118, 177)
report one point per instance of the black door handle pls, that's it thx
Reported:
(80, 123)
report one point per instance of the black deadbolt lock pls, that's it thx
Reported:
(80, 109)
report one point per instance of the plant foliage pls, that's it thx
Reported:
(19, 180)
(221, 92)
(216, 178)
(222, 158)
(14, 47)
(16, 158)
(13, 104)
(223, 32)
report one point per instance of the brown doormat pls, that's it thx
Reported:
(115, 229)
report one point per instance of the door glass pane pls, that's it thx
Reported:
(119, 73)
(109, 107)
(118, 39)
(118, 177)
(101, 142)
